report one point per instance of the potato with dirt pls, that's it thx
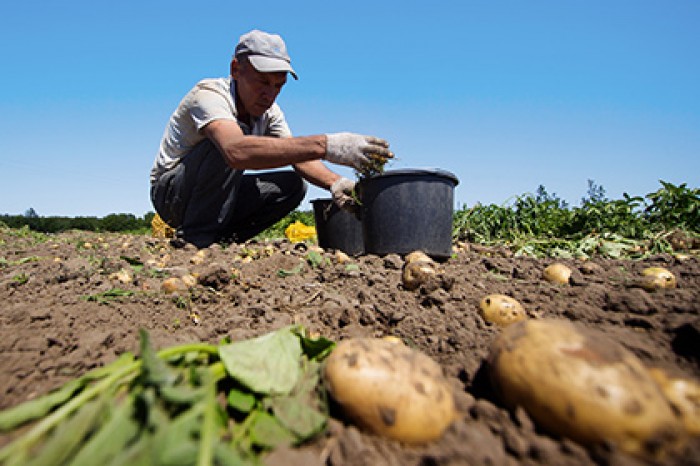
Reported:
(501, 310)
(575, 383)
(390, 389)
(657, 278)
(557, 273)
(418, 269)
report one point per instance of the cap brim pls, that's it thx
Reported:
(271, 65)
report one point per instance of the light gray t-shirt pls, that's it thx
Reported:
(209, 100)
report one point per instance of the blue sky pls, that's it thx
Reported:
(507, 95)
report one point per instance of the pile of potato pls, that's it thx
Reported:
(572, 381)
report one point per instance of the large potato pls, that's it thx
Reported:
(578, 384)
(390, 389)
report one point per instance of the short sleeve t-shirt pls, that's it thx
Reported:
(209, 100)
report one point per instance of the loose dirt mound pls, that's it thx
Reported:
(76, 301)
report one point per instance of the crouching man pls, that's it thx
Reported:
(224, 126)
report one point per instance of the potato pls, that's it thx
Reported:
(501, 310)
(417, 256)
(417, 273)
(577, 384)
(122, 275)
(557, 273)
(390, 389)
(418, 270)
(655, 278)
(684, 395)
(189, 280)
(173, 285)
(341, 257)
(199, 257)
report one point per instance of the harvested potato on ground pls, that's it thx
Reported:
(557, 273)
(501, 310)
(189, 280)
(173, 285)
(418, 269)
(123, 276)
(416, 274)
(341, 257)
(390, 389)
(199, 257)
(580, 385)
(655, 278)
(417, 256)
(684, 395)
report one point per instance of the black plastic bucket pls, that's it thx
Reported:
(408, 210)
(337, 229)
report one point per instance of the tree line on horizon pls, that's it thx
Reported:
(56, 224)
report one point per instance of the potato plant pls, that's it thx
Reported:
(165, 407)
(542, 225)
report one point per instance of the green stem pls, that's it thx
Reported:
(112, 377)
(217, 371)
(208, 434)
(188, 348)
(27, 440)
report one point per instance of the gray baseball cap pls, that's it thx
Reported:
(266, 52)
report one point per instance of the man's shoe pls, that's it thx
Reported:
(178, 243)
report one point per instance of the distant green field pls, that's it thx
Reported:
(538, 224)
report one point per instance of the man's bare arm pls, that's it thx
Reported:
(261, 152)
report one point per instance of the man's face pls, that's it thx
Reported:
(257, 91)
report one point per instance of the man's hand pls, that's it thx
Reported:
(352, 150)
(342, 191)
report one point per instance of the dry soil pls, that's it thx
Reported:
(51, 331)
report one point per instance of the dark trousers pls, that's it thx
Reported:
(206, 201)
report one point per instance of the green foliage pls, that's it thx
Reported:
(105, 297)
(20, 279)
(164, 407)
(674, 207)
(4, 262)
(23, 232)
(542, 224)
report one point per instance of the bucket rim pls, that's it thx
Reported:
(416, 171)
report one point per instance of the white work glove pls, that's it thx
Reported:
(352, 150)
(342, 192)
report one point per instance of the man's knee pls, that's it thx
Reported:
(288, 187)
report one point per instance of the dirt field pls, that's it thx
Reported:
(51, 332)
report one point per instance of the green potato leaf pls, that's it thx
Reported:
(298, 417)
(113, 437)
(269, 364)
(267, 432)
(242, 402)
